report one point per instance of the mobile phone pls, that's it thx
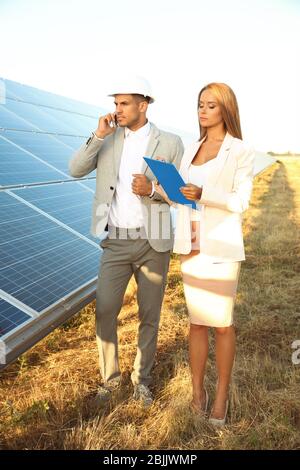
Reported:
(114, 122)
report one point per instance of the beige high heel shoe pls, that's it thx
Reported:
(200, 410)
(219, 422)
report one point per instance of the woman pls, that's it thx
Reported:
(219, 171)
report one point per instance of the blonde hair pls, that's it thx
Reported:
(229, 108)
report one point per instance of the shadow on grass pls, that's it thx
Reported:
(270, 284)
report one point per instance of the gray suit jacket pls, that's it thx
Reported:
(106, 156)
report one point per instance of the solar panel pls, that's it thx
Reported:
(48, 258)
(40, 260)
(262, 161)
(19, 167)
(78, 124)
(47, 148)
(10, 120)
(72, 141)
(69, 204)
(37, 117)
(90, 183)
(20, 92)
(31, 116)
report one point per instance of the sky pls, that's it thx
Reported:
(77, 48)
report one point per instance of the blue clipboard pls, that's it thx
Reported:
(169, 178)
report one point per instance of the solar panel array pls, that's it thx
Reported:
(48, 259)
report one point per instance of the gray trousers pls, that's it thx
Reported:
(120, 259)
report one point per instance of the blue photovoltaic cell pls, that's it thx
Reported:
(38, 118)
(76, 143)
(29, 94)
(34, 95)
(24, 116)
(10, 317)
(47, 147)
(6, 93)
(73, 142)
(44, 146)
(90, 183)
(46, 119)
(70, 203)
(18, 167)
(9, 120)
(40, 262)
(79, 125)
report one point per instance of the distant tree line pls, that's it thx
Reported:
(287, 154)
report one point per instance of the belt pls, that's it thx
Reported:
(126, 233)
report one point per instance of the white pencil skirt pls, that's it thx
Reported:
(210, 289)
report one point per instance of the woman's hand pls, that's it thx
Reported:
(191, 192)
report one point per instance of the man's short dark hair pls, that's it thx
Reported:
(140, 98)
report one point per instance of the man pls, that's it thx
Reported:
(138, 223)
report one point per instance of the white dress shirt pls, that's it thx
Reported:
(126, 208)
(197, 175)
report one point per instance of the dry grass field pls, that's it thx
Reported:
(46, 396)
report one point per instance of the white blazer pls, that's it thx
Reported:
(225, 195)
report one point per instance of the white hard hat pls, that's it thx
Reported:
(132, 85)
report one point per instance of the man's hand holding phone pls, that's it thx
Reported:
(107, 125)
